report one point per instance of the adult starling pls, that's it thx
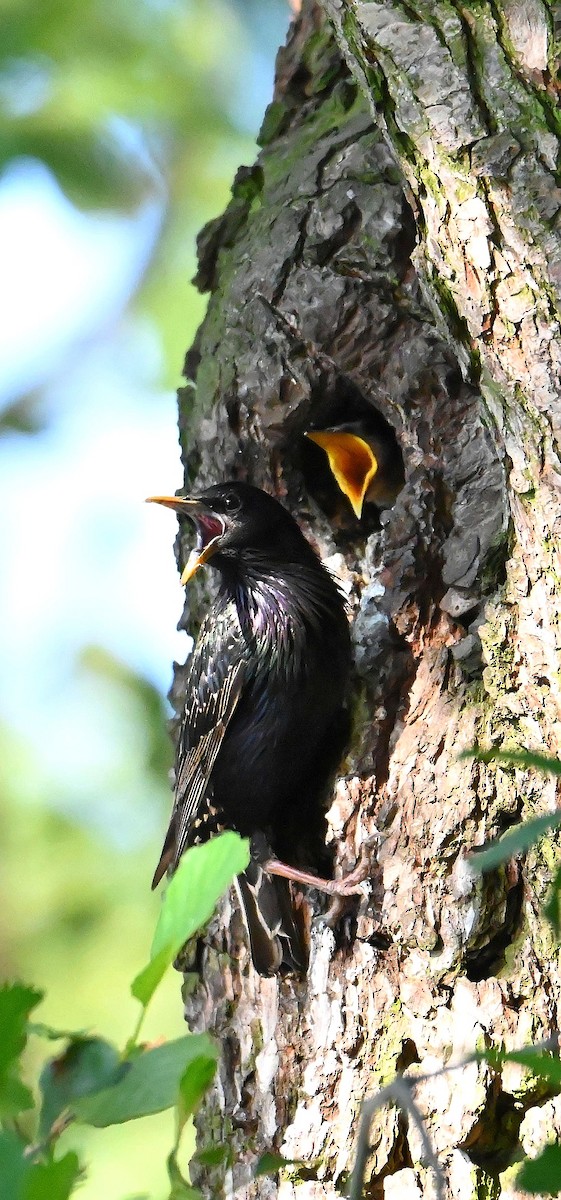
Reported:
(365, 463)
(265, 703)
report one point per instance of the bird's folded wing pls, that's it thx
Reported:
(213, 690)
(214, 687)
(195, 768)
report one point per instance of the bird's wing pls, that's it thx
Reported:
(214, 687)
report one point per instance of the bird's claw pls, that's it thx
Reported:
(350, 884)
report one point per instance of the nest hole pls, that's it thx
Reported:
(340, 405)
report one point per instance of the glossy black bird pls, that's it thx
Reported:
(265, 701)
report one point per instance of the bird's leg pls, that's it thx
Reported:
(347, 885)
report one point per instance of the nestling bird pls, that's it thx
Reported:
(365, 463)
(265, 702)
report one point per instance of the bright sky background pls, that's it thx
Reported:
(84, 559)
(65, 274)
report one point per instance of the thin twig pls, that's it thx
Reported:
(399, 1092)
(35, 1149)
(403, 1095)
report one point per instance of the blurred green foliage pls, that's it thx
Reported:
(130, 104)
(76, 916)
(107, 92)
(89, 1081)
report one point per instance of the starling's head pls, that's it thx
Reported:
(231, 518)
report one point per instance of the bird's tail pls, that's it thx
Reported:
(276, 941)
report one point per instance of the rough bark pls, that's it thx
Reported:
(400, 251)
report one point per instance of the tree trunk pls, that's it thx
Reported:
(401, 252)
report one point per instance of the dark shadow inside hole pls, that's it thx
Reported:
(484, 962)
(494, 1143)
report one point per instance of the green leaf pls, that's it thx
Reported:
(85, 1066)
(515, 758)
(212, 1156)
(13, 1165)
(541, 1063)
(145, 983)
(150, 1083)
(179, 1188)
(15, 1097)
(552, 908)
(21, 1179)
(270, 1163)
(16, 1002)
(53, 1180)
(542, 1174)
(203, 875)
(516, 841)
(194, 1083)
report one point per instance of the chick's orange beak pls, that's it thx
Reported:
(209, 529)
(352, 463)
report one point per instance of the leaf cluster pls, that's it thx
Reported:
(90, 1080)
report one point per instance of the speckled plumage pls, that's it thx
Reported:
(265, 695)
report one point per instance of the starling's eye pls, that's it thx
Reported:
(231, 502)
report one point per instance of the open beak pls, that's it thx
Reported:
(210, 529)
(352, 462)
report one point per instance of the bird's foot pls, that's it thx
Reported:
(351, 884)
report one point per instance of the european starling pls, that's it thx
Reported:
(365, 464)
(265, 703)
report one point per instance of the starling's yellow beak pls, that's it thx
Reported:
(352, 462)
(178, 503)
(210, 529)
(197, 558)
